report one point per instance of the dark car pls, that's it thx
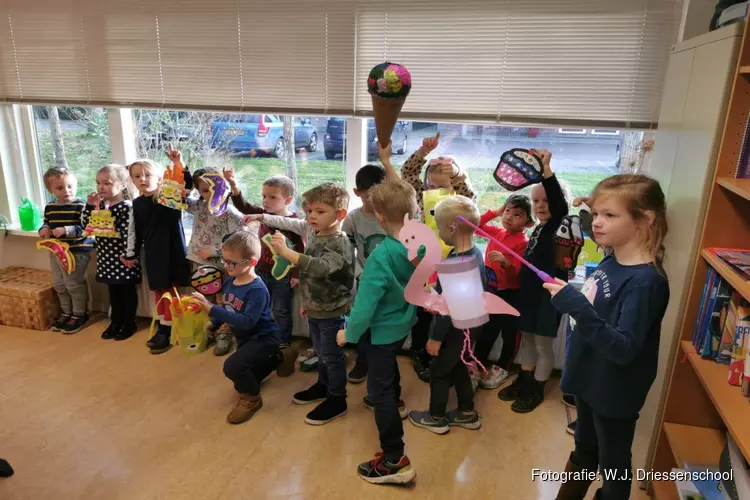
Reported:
(336, 137)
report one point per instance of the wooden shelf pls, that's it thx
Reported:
(665, 490)
(740, 285)
(729, 401)
(740, 187)
(745, 70)
(694, 445)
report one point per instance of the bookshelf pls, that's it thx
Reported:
(700, 407)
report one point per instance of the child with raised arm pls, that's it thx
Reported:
(539, 321)
(278, 195)
(503, 272)
(441, 173)
(247, 311)
(381, 309)
(65, 220)
(446, 342)
(326, 281)
(365, 233)
(612, 355)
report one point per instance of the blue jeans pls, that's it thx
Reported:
(281, 304)
(384, 390)
(331, 364)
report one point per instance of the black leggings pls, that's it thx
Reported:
(124, 302)
(420, 332)
(504, 323)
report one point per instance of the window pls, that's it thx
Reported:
(579, 160)
(74, 137)
(605, 132)
(253, 145)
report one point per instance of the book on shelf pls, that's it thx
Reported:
(713, 318)
(737, 259)
(742, 170)
(707, 286)
(741, 343)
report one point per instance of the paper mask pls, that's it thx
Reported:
(61, 251)
(219, 189)
(518, 168)
(173, 193)
(207, 280)
(102, 224)
(281, 266)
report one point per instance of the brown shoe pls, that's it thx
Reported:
(573, 490)
(245, 409)
(286, 368)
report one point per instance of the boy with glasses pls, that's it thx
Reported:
(247, 311)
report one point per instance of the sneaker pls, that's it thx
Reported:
(308, 362)
(358, 373)
(161, 343)
(286, 368)
(569, 400)
(422, 368)
(402, 411)
(425, 420)
(457, 418)
(530, 398)
(59, 323)
(126, 332)
(513, 391)
(380, 471)
(74, 325)
(316, 392)
(571, 428)
(493, 378)
(331, 408)
(223, 344)
(111, 331)
(306, 354)
(246, 407)
(475, 379)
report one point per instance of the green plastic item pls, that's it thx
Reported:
(30, 216)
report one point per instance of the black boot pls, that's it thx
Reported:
(161, 342)
(5, 469)
(573, 490)
(126, 331)
(111, 331)
(514, 390)
(531, 397)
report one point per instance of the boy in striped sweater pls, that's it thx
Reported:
(64, 220)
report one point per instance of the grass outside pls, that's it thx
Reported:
(87, 154)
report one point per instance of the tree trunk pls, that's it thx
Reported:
(289, 156)
(629, 146)
(58, 146)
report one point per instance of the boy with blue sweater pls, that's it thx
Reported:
(247, 311)
(381, 308)
(64, 219)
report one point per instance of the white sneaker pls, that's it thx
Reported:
(494, 378)
(475, 379)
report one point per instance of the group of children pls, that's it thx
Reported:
(352, 269)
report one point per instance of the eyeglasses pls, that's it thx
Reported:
(231, 264)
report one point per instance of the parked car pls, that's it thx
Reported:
(241, 133)
(336, 137)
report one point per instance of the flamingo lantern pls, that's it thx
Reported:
(463, 297)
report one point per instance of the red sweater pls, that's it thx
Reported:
(505, 277)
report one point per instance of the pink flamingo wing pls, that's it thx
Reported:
(496, 305)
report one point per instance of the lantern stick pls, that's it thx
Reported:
(542, 275)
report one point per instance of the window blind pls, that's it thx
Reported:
(547, 61)
(292, 56)
(577, 62)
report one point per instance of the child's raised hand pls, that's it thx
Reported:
(249, 219)
(546, 157)
(174, 155)
(230, 176)
(584, 202)
(341, 338)
(554, 288)
(384, 153)
(430, 143)
(58, 232)
(93, 199)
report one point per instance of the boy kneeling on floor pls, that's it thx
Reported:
(247, 310)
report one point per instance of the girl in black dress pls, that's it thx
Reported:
(112, 193)
(158, 230)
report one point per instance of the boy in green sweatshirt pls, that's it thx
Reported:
(380, 306)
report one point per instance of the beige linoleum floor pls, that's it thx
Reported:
(83, 418)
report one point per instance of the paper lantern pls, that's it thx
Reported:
(519, 168)
(207, 280)
(463, 292)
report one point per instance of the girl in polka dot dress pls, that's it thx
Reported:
(112, 193)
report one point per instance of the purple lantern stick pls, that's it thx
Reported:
(542, 275)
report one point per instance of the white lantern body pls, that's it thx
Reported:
(463, 292)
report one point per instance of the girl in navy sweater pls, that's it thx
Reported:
(615, 320)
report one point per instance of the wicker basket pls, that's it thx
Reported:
(27, 299)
